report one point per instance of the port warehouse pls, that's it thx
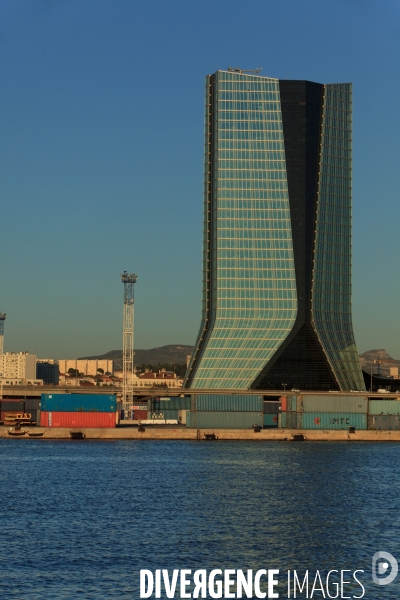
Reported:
(215, 410)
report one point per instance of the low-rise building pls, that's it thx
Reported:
(162, 378)
(86, 366)
(19, 366)
(19, 381)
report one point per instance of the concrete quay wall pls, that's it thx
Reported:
(183, 433)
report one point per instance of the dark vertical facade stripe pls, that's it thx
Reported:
(209, 224)
(300, 360)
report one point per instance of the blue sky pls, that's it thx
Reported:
(102, 157)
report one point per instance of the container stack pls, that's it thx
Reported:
(78, 410)
(320, 411)
(140, 410)
(384, 414)
(8, 408)
(32, 407)
(225, 411)
(169, 409)
(18, 406)
(271, 410)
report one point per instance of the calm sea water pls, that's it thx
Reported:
(79, 519)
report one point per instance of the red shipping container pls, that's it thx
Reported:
(77, 419)
(140, 415)
(283, 400)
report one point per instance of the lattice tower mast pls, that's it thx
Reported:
(2, 319)
(127, 351)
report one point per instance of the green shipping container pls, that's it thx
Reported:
(287, 420)
(175, 403)
(223, 420)
(384, 407)
(270, 420)
(291, 403)
(332, 403)
(170, 415)
(228, 402)
(323, 420)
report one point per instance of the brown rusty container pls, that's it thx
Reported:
(139, 415)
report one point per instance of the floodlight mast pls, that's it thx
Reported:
(2, 320)
(128, 279)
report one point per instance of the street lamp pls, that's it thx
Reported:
(284, 387)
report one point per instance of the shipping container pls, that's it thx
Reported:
(175, 403)
(182, 416)
(282, 418)
(321, 420)
(170, 414)
(189, 418)
(33, 414)
(270, 420)
(224, 420)
(228, 402)
(291, 420)
(140, 415)
(271, 408)
(32, 404)
(12, 405)
(78, 403)
(384, 407)
(384, 422)
(289, 403)
(77, 419)
(332, 403)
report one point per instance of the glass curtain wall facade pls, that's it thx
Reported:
(264, 190)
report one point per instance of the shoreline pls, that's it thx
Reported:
(183, 433)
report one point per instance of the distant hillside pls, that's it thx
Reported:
(169, 354)
(367, 361)
(164, 354)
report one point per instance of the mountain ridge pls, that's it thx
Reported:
(169, 354)
(177, 353)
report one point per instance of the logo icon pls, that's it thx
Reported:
(380, 564)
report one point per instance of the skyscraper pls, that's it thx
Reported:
(277, 237)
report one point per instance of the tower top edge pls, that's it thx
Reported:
(240, 73)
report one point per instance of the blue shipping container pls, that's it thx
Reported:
(323, 420)
(228, 402)
(270, 420)
(78, 403)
